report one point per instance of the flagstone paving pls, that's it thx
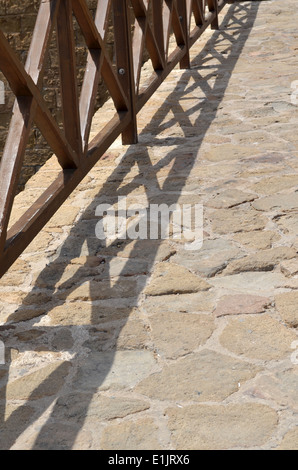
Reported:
(145, 344)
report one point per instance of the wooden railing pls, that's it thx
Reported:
(137, 24)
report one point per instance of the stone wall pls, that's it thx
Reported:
(17, 20)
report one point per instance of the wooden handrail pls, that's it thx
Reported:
(70, 144)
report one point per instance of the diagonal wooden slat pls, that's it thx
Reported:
(167, 16)
(12, 69)
(42, 33)
(12, 159)
(22, 85)
(143, 34)
(177, 23)
(93, 67)
(89, 93)
(98, 64)
(173, 21)
(138, 42)
(152, 44)
(24, 108)
(93, 33)
(199, 11)
(90, 29)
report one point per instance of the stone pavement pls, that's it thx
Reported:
(143, 344)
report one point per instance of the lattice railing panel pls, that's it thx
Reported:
(139, 26)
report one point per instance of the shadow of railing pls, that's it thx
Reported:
(86, 377)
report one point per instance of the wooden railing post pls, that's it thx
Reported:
(158, 28)
(183, 7)
(68, 75)
(124, 63)
(213, 7)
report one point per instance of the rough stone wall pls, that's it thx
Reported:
(17, 20)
